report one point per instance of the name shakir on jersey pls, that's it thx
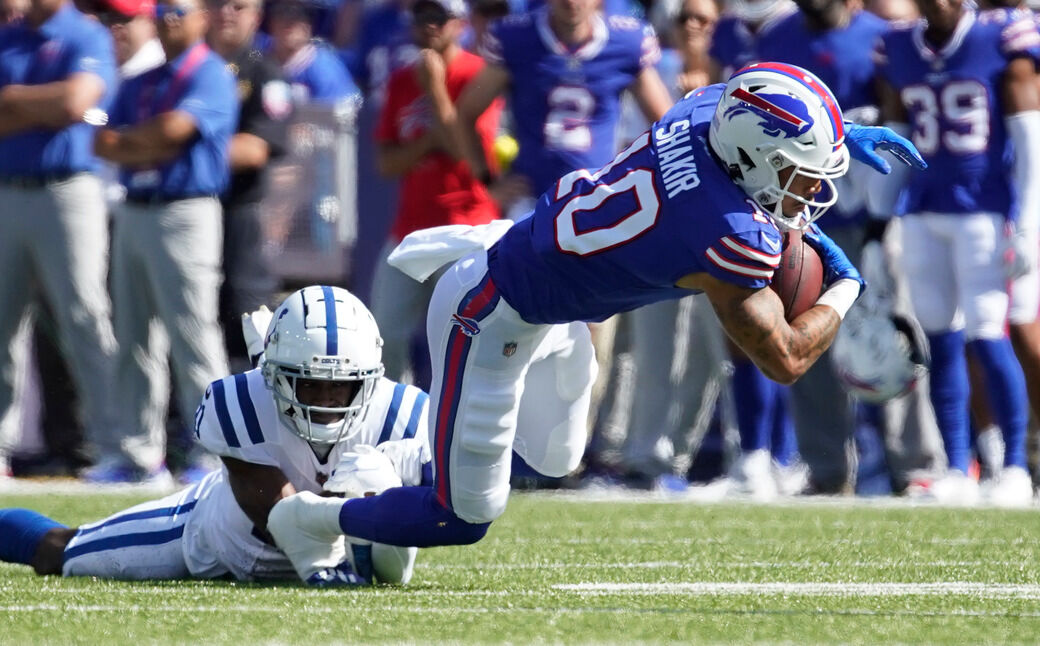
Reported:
(675, 158)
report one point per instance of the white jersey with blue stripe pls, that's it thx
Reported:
(238, 419)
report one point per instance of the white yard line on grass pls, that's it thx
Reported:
(941, 588)
(512, 609)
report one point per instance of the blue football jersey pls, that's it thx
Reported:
(953, 100)
(734, 43)
(842, 58)
(565, 103)
(611, 240)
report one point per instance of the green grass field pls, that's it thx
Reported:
(557, 570)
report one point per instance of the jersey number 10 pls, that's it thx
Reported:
(607, 228)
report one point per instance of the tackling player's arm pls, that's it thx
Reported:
(148, 143)
(257, 488)
(754, 320)
(49, 105)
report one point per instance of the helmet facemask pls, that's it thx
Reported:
(300, 417)
(771, 197)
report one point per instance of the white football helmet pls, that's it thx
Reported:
(879, 356)
(322, 333)
(773, 116)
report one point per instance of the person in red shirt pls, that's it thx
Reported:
(436, 187)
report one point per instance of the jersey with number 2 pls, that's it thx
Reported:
(610, 240)
(565, 102)
(953, 100)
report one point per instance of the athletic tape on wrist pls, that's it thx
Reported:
(840, 296)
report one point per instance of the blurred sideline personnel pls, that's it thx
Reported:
(169, 132)
(265, 106)
(57, 79)
(296, 423)
(967, 82)
(414, 144)
(564, 66)
(695, 204)
(313, 70)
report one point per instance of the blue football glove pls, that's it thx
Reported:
(836, 265)
(865, 141)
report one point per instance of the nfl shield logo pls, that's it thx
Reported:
(509, 349)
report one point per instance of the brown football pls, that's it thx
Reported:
(798, 281)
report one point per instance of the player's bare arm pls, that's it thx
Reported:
(48, 105)
(890, 105)
(1020, 89)
(474, 100)
(150, 142)
(248, 151)
(651, 94)
(396, 159)
(257, 488)
(754, 320)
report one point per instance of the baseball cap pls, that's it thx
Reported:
(128, 8)
(454, 8)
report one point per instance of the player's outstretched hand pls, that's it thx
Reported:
(836, 265)
(865, 141)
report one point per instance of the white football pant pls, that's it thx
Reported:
(500, 384)
(955, 270)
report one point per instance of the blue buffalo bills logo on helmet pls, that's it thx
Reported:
(782, 115)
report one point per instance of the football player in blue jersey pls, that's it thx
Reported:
(696, 203)
(835, 40)
(317, 416)
(565, 67)
(966, 81)
(733, 45)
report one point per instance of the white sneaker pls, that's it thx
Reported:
(792, 479)
(1011, 488)
(954, 488)
(752, 476)
(305, 526)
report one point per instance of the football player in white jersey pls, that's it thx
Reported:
(317, 416)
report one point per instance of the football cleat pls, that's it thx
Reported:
(1012, 488)
(752, 476)
(305, 527)
(340, 576)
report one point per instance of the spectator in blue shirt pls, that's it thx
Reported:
(314, 71)
(169, 132)
(57, 77)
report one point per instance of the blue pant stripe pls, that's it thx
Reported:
(417, 409)
(226, 427)
(141, 515)
(245, 404)
(391, 414)
(331, 325)
(125, 540)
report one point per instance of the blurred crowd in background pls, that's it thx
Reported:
(123, 295)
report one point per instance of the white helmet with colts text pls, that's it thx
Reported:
(322, 333)
(773, 116)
